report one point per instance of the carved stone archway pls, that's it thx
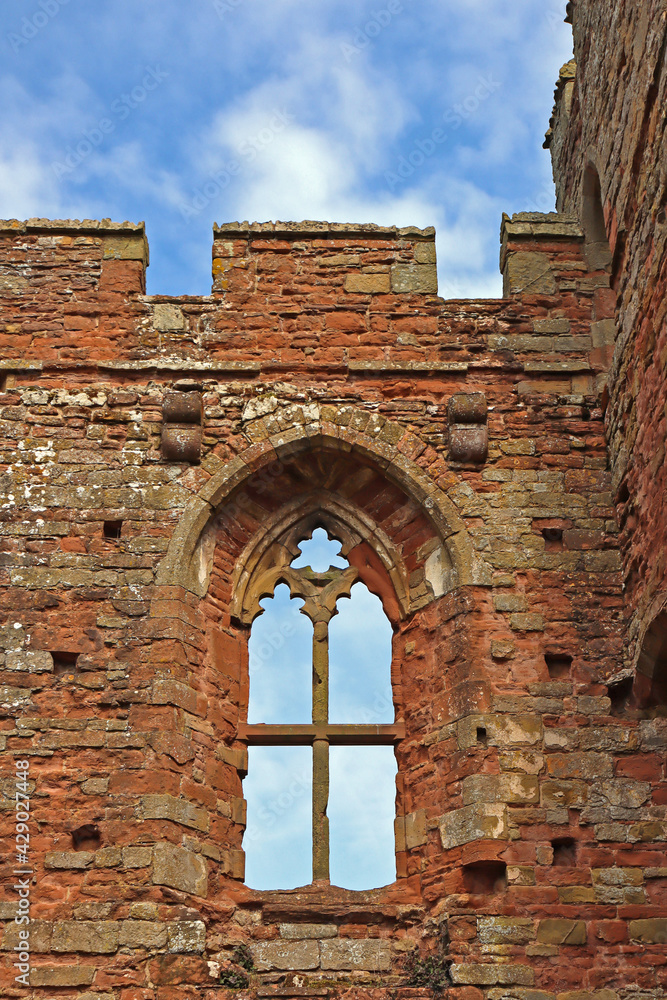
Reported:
(185, 563)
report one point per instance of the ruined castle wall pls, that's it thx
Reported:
(531, 821)
(613, 116)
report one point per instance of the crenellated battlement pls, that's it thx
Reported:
(83, 255)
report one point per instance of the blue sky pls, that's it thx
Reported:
(426, 112)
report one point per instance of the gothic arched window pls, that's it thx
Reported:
(320, 718)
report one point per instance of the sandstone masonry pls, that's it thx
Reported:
(495, 467)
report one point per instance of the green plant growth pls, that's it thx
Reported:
(431, 971)
(236, 976)
(243, 957)
(234, 979)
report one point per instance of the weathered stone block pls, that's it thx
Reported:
(622, 792)
(617, 876)
(516, 789)
(40, 937)
(589, 995)
(467, 408)
(169, 692)
(177, 810)
(529, 761)
(502, 649)
(587, 766)
(528, 273)
(651, 931)
(603, 333)
(108, 857)
(425, 253)
(645, 832)
(95, 786)
(179, 869)
(181, 443)
(302, 932)
(510, 602)
(168, 317)
(62, 975)
(414, 278)
(505, 930)
(568, 794)
(416, 833)
(182, 408)
(10, 697)
(143, 911)
(236, 758)
(501, 730)
(97, 937)
(137, 857)
(142, 934)
(288, 956)
(492, 974)
(69, 859)
(576, 894)
(558, 931)
(369, 955)
(473, 822)
(368, 284)
(129, 246)
(34, 661)
(527, 623)
(468, 443)
(187, 936)
(551, 326)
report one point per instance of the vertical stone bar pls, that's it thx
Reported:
(320, 818)
(320, 671)
(320, 751)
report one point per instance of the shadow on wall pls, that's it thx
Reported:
(597, 252)
(651, 682)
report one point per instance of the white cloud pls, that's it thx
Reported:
(345, 122)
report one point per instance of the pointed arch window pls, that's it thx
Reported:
(314, 589)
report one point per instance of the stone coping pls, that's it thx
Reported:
(80, 225)
(228, 229)
(536, 226)
(547, 224)
(335, 230)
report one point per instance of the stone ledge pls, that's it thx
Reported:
(547, 224)
(336, 230)
(68, 225)
(408, 366)
(17, 365)
(175, 366)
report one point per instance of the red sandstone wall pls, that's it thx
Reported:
(531, 817)
(617, 122)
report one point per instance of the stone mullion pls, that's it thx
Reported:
(321, 748)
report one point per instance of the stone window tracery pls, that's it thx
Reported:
(319, 589)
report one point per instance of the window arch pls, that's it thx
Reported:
(651, 680)
(597, 251)
(311, 574)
